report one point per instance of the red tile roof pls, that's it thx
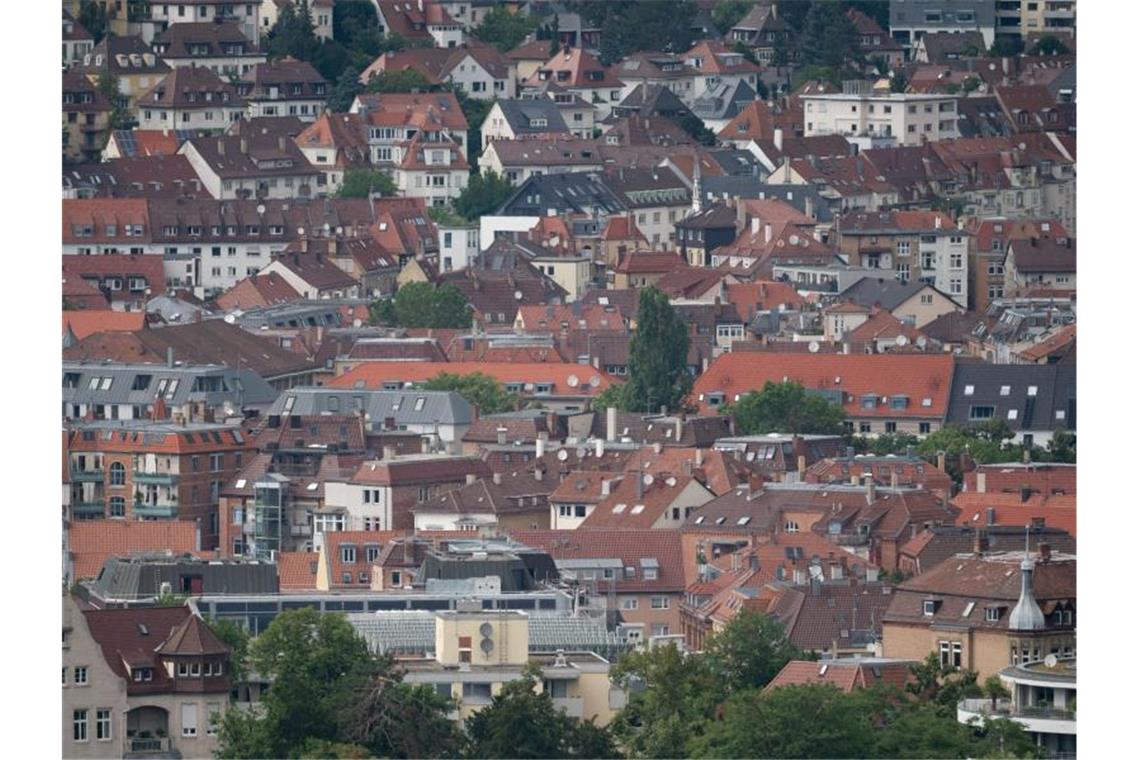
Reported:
(630, 546)
(846, 675)
(258, 290)
(1057, 511)
(92, 542)
(88, 321)
(924, 379)
(297, 571)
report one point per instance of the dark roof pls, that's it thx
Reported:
(239, 157)
(220, 39)
(114, 54)
(832, 615)
(520, 113)
(153, 176)
(1055, 384)
(937, 544)
(577, 192)
(1044, 254)
(942, 47)
(191, 87)
(888, 294)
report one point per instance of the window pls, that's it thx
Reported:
(371, 553)
(348, 555)
(928, 607)
(993, 614)
(890, 427)
(950, 653)
(791, 526)
(864, 427)
(189, 719)
(981, 412)
(923, 428)
(215, 462)
(118, 506)
(968, 391)
(629, 603)
(659, 602)
(80, 676)
(103, 724)
(79, 725)
(649, 573)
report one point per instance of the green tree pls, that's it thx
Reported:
(345, 90)
(828, 37)
(785, 408)
(751, 650)
(478, 389)
(993, 690)
(393, 719)
(1062, 447)
(361, 183)
(422, 304)
(293, 34)
(108, 85)
(404, 80)
(93, 17)
(898, 81)
(484, 194)
(813, 720)
(984, 445)
(942, 686)
(1007, 46)
(628, 26)
(658, 357)
(672, 697)
(694, 127)
(521, 722)
(322, 749)
(503, 29)
(331, 59)
(727, 13)
(1049, 45)
(611, 397)
(237, 639)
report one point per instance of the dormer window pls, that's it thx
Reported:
(930, 606)
(993, 614)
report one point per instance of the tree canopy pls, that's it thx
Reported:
(785, 408)
(478, 389)
(828, 37)
(93, 17)
(361, 183)
(422, 304)
(1049, 45)
(404, 80)
(628, 26)
(727, 13)
(294, 33)
(658, 357)
(750, 650)
(503, 29)
(484, 194)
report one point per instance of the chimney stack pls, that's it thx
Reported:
(243, 145)
(640, 484)
(540, 446)
(471, 478)
(778, 139)
(497, 478)
(894, 478)
(606, 486)
(1045, 552)
(501, 435)
(869, 484)
(1025, 458)
(755, 225)
(942, 461)
(280, 143)
(170, 356)
(611, 424)
(599, 448)
(981, 482)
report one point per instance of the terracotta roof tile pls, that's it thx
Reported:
(92, 542)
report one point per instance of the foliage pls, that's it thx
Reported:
(611, 397)
(170, 600)
(330, 693)
(484, 194)
(1062, 447)
(984, 444)
(475, 111)
(404, 80)
(658, 357)
(383, 312)
(93, 17)
(811, 73)
(785, 408)
(694, 127)
(445, 216)
(942, 685)
(478, 389)
(750, 650)
(237, 639)
(503, 29)
(521, 722)
(813, 720)
(672, 698)
(891, 443)
(331, 60)
(728, 13)
(345, 90)
(422, 304)
(1007, 46)
(828, 37)
(293, 34)
(993, 689)
(108, 85)
(628, 26)
(361, 183)
(1049, 45)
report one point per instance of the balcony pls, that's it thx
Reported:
(86, 476)
(1046, 720)
(149, 747)
(88, 509)
(158, 478)
(165, 511)
(571, 705)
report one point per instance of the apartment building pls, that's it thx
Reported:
(862, 116)
(222, 48)
(285, 87)
(1035, 18)
(246, 15)
(911, 19)
(143, 470)
(191, 98)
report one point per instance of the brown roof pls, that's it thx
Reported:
(84, 323)
(625, 509)
(845, 675)
(316, 270)
(417, 470)
(629, 546)
(582, 69)
(838, 614)
(1044, 254)
(297, 571)
(258, 290)
(1057, 511)
(192, 637)
(191, 87)
(254, 155)
(650, 262)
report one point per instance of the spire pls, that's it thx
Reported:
(1026, 615)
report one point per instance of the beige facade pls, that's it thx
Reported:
(925, 306)
(910, 119)
(986, 651)
(572, 273)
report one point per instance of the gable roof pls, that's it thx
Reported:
(564, 379)
(92, 542)
(631, 547)
(89, 321)
(845, 675)
(886, 293)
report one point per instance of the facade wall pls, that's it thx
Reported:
(103, 690)
(216, 119)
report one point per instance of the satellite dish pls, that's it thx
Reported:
(327, 228)
(301, 231)
(230, 319)
(572, 381)
(340, 230)
(647, 479)
(562, 455)
(670, 481)
(486, 644)
(1050, 660)
(518, 295)
(486, 629)
(595, 381)
(581, 453)
(813, 347)
(260, 209)
(901, 340)
(794, 239)
(920, 341)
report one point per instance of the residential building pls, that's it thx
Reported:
(141, 681)
(191, 98)
(262, 167)
(86, 118)
(910, 20)
(845, 675)
(77, 41)
(916, 303)
(1033, 20)
(985, 612)
(143, 470)
(321, 12)
(247, 16)
(478, 70)
(220, 47)
(1039, 264)
(519, 160)
(1032, 400)
(908, 118)
(285, 87)
(578, 73)
(521, 119)
(130, 60)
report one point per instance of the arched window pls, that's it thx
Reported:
(791, 526)
(118, 506)
(118, 474)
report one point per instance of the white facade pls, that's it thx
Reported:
(305, 109)
(946, 256)
(217, 116)
(353, 506)
(909, 119)
(490, 226)
(457, 246)
(278, 186)
(245, 15)
(568, 516)
(470, 76)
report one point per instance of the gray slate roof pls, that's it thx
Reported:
(444, 407)
(1056, 392)
(242, 387)
(520, 113)
(887, 293)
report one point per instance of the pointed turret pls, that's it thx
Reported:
(1026, 615)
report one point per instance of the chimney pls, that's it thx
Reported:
(222, 147)
(540, 446)
(538, 473)
(497, 478)
(894, 478)
(677, 430)
(243, 145)
(981, 482)
(698, 457)
(937, 221)
(755, 225)
(767, 232)
(657, 448)
(755, 485)
(640, 484)
(1025, 459)
(778, 139)
(606, 487)
(170, 356)
(611, 424)
(599, 448)
(501, 435)
(869, 484)
(471, 478)
(942, 461)
(280, 143)
(159, 411)
(801, 466)
(1044, 552)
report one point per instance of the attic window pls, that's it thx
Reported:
(699, 520)
(720, 521)
(637, 509)
(1031, 391)
(929, 607)
(969, 608)
(1004, 390)
(993, 614)
(927, 402)
(618, 508)
(743, 520)
(969, 390)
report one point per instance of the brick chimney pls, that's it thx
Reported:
(981, 542)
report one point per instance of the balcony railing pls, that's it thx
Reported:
(148, 745)
(160, 478)
(156, 510)
(88, 508)
(1005, 708)
(86, 476)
